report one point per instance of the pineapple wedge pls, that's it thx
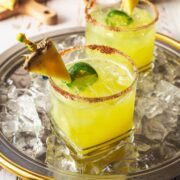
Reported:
(129, 5)
(8, 4)
(47, 61)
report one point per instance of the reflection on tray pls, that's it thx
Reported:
(24, 120)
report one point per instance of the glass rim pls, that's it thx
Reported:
(90, 19)
(101, 49)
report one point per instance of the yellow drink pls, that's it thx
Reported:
(135, 38)
(98, 113)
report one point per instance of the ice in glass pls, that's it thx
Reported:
(95, 111)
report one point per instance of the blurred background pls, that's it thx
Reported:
(70, 13)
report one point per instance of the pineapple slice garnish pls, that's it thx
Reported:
(8, 4)
(44, 59)
(129, 5)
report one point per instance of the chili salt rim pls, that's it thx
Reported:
(90, 19)
(105, 50)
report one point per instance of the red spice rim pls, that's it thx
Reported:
(105, 50)
(89, 18)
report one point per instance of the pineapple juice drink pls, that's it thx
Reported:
(96, 109)
(92, 96)
(133, 35)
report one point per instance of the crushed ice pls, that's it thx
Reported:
(25, 122)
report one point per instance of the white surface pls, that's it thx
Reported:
(71, 13)
(4, 175)
(169, 21)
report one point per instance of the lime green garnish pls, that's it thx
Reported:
(82, 75)
(118, 18)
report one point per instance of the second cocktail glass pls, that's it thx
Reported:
(96, 118)
(134, 35)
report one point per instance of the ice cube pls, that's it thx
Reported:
(12, 92)
(73, 40)
(153, 129)
(168, 92)
(28, 113)
(12, 106)
(168, 119)
(38, 84)
(10, 125)
(58, 155)
(149, 106)
(43, 101)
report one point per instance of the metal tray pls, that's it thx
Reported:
(26, 166)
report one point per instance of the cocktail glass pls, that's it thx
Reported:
(96, 119)
(136, 39)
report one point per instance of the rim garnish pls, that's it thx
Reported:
(44, 59)
(104, 50)
(118, 18)
(90, 19)
(128, 6)
(82, 75)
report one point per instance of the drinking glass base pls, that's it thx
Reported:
(110, 148)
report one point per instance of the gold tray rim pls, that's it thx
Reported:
(18, 170)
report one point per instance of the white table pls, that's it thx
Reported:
(71, 13)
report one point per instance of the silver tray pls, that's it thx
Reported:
(23, 162)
